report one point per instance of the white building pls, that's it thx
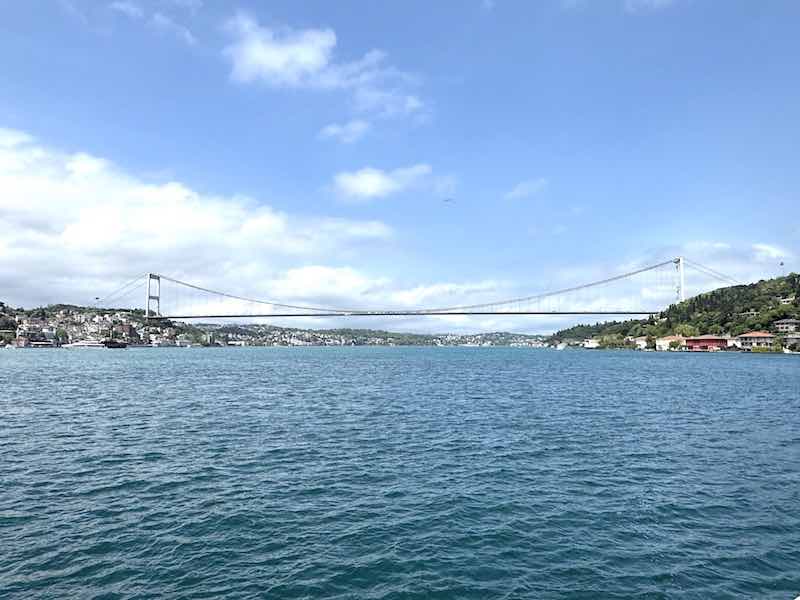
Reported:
(666, 343)
(787, 325)
(756, 339)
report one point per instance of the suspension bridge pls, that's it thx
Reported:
(641, 291)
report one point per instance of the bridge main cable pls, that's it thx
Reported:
(555, 293)
(474, 309)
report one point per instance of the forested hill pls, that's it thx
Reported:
(732, 310)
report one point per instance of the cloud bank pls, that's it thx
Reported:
(304, 58)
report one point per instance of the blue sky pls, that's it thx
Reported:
(575, 138)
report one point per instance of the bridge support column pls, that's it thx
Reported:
(681, 279)
(153, 297)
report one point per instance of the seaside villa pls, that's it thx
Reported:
(707, 343)
(756, 339)
(787, 325)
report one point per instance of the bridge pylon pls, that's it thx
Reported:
(153, 297)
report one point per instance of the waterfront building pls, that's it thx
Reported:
(787, 325)
(591, 344)
(756, 339)
(791, 339)
(707, 343)
(666, 343)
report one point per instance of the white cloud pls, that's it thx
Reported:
(165, 24)
(370, 183)
(305, 59)
(75, 225)
(334, 285)
(526, 189)
(10, 138)
(129, 9)
(386, 103)
(765, 252)
(635, 6)
(191, 5)
(347, 133)
(293, 59)
(73, 11)
(444, 294)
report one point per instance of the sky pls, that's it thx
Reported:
(395, 154)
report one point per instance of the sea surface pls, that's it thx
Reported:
(383, 473)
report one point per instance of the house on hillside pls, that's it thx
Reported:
(666, 343)
(787, 325)
(707, 343)
(756, 339)
(791, 339)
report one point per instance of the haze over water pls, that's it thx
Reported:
(398, 473)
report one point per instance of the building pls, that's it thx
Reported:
(787, 325)
(786, 301)
(669, 342)
(756, 339)
(640, 343)
(707, 343)
(791, 339)
(591, 343)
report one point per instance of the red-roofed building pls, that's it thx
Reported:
(707, 343)
(756, 339)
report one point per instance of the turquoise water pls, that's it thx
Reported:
(398, 473)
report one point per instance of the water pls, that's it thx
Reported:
(398, 473)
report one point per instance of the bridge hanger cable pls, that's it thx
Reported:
(120, 291)
(422, 311)
(711, 272)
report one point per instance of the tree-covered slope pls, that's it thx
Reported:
(732, 310)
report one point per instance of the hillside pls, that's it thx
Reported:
(58, 324)
(732, 310)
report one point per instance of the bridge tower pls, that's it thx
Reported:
(679, 264)
(153, 298)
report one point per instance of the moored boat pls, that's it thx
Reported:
(114, 344)
(85, 344)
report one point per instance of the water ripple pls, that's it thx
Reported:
(398, 473)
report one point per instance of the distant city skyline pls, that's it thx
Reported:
(409, 153)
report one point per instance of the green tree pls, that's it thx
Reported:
(686, 330)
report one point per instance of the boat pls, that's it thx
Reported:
(85, 344)
(112, 343)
